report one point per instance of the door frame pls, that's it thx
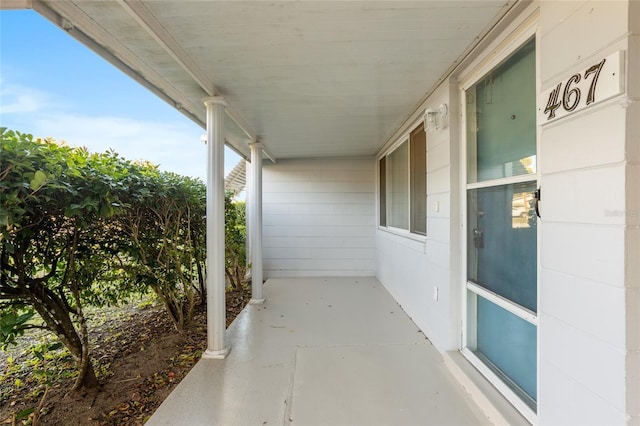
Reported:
(506, 44)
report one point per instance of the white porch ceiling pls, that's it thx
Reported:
(309, 78)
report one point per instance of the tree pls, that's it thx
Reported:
(80, 229)
(235, 241)
(166, 231)
(54, 214)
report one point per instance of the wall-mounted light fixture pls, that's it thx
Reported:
(434, 118)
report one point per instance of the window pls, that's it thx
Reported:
(403, 185)
(383, 191)
(418, 168)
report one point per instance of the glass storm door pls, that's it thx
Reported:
(501, 228)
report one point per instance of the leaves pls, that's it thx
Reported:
(90, 229)
(24, 413)
(39, 178)
(13, 323)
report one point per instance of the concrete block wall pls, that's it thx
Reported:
(583, 284)
(318, 217)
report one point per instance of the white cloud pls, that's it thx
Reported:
(176, 147)
(17, 99)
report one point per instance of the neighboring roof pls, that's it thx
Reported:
(306, 78)
(237, 178)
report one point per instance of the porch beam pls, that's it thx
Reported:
(216, 303)
(15, 4)
(255, 217)
(143, 16)
(70, 18)
(268, 153)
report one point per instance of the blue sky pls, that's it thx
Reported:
(51, 85)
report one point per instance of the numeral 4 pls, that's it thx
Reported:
(553, 104)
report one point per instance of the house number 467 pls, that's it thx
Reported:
(571, 95)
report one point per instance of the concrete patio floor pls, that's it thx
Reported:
(322, 351)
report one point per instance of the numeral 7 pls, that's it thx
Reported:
(595, 69)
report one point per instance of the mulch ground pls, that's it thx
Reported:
(139, 358)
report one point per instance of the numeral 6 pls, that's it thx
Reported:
(568, 92)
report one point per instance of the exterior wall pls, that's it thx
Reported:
(585, 179)
(411, 268)
(318, 217)
(632, 216)
(319, 220)
(589, 240)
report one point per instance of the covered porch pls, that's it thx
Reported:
(324, 351)
(374, 119)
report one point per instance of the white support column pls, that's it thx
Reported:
(216, 303)
(255, 215)
(247, 219)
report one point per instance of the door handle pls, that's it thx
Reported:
(478, 238)
(537, 196)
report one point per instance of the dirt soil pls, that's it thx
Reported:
(139, 358)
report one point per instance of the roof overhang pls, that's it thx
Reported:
(310, 78)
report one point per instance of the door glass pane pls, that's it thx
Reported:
(502, 241)
(501, 119)
(507, 344)
(398, 174)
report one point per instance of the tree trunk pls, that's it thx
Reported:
(58, 320)
(172, 306)
(86, 375)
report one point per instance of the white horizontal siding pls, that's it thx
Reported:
(319, 217)
(302, 197)
(317, 220)
(336, 231)
(583, 309)
(310, 253)
(411, 269)
(320, 242)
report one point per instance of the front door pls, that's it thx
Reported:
(501, 226)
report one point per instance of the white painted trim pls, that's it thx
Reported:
(518, 32)
(506, 304)
(403, 233)
(268, 153)
(256, 223)
(524, 29)
(502, 387)
(139, 12)
(503, 181)
(494, 404)
(15, 4)
(221, 354)
(539, 161)
(216, 303)
(394, 146)
(95, 37)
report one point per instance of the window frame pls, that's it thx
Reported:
(384, 180)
